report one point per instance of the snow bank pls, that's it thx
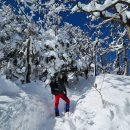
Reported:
(24, 107)
(113, 114)
(7, 87)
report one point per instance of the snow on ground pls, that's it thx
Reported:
(23, 108)
(30, 106)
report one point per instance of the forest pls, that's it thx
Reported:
(36, 43)
(86, 43)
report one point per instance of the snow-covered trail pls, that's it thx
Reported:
(30, 107)
(23, 108)
(67, 121)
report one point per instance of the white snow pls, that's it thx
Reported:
(127, 14)
(92, 6)
(30, 106)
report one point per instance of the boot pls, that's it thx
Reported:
(57, 112)
(67, 107)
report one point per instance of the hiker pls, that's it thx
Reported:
(59, 91)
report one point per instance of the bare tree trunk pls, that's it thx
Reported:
(94, 57)
(128, 30)
(56, 30)
(125, 61)
(102, 64)
(28, 75)
(117, 64)
(126, 67)
(95, 66)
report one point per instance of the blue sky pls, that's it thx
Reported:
(77, 19)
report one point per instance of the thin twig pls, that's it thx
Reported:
(99, 93)
(102, 82)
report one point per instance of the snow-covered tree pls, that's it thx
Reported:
(15, 35)
(107, 12)
(40, 52)
(66, 52)
(45, 13)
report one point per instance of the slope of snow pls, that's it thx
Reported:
(90, 113)
(23, 108)
(30, 106)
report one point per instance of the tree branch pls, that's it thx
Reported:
(102, 15)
